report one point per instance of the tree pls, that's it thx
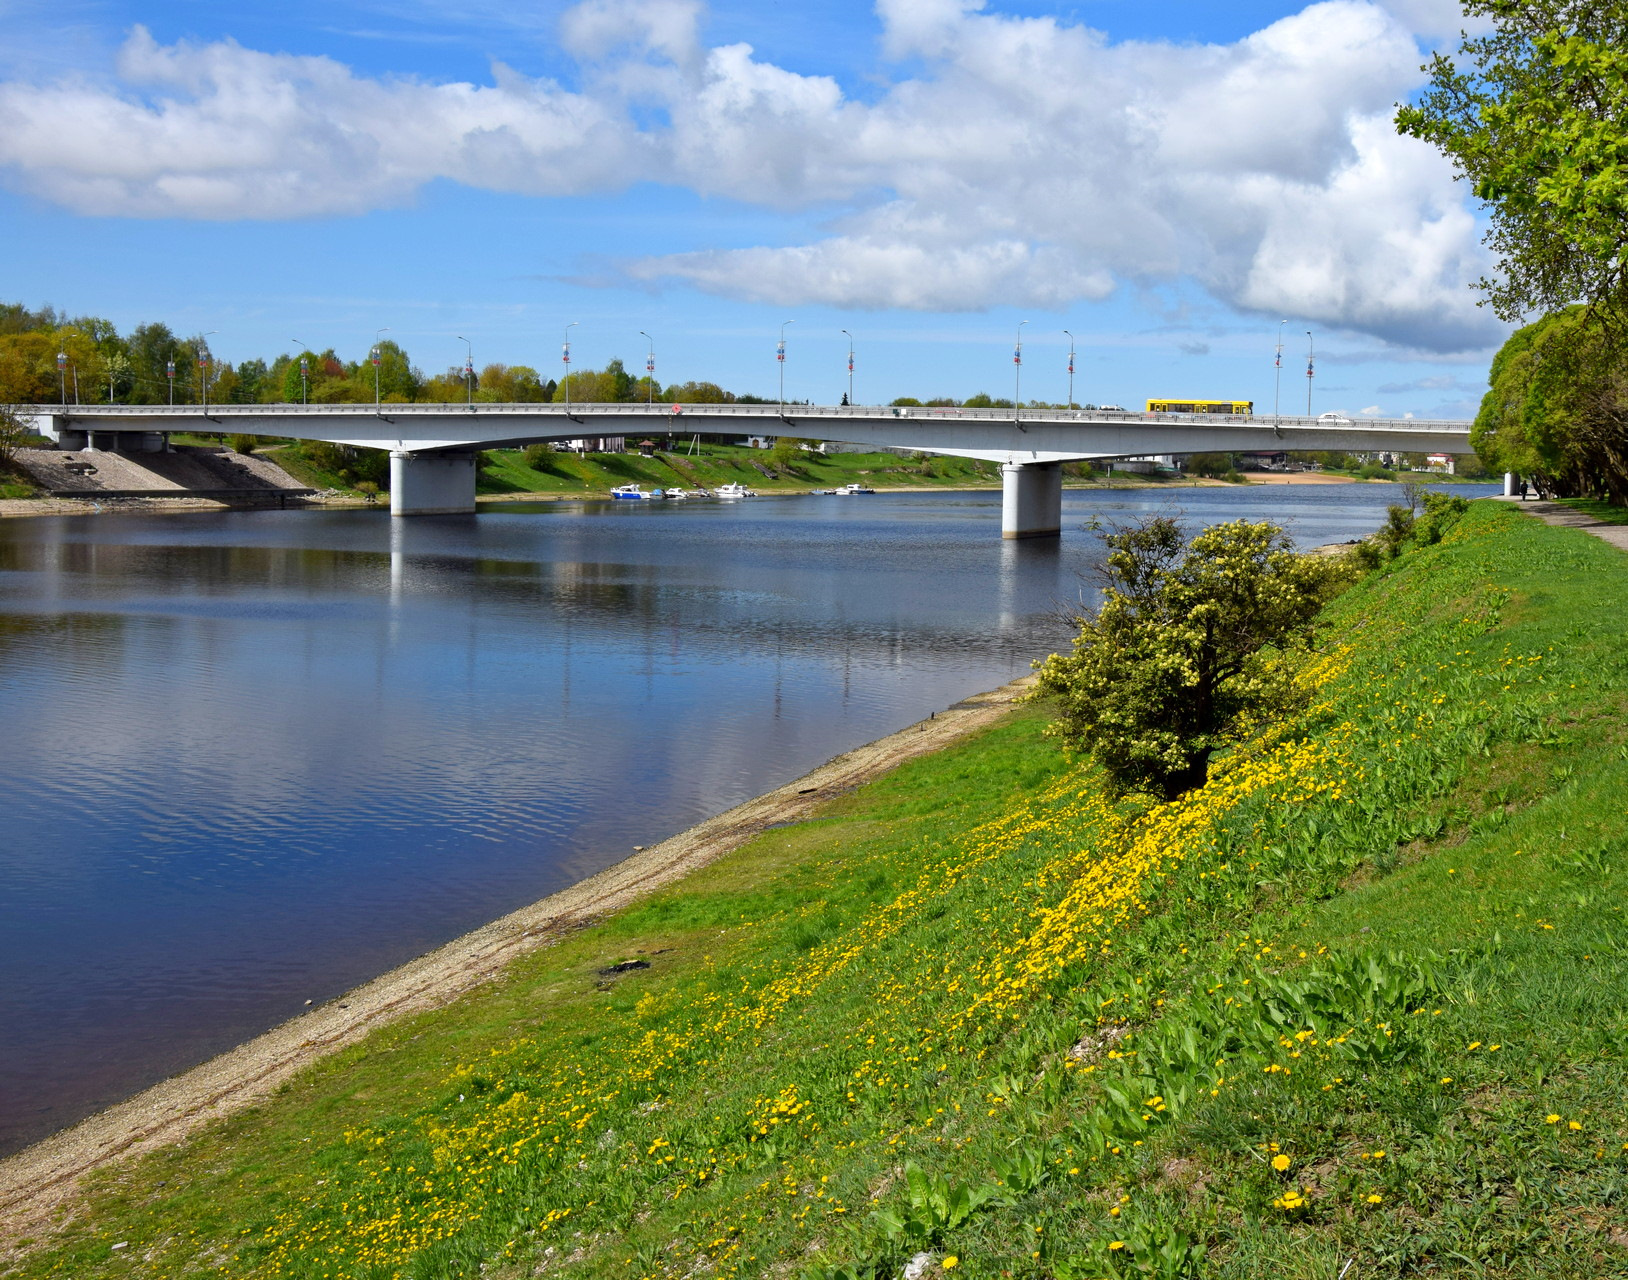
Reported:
(1179, 650)
(152, 347)
(1556, 408)
(1535, 115)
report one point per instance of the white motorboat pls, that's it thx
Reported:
(734, 490)
(848, 490)
(634, 493)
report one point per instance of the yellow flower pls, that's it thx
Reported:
(1375, 1198)
(1280, 1163)
(1116, 1244)
(1551, 1118)
(1575, 1125)
(951, 1262)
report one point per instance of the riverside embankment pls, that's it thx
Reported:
(1359, 1000)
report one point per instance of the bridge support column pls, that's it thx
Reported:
(1509, 484)
(1031, 499)
(432, 484)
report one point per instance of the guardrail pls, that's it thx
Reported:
(789, 414)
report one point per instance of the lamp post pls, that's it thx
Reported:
(1311, 360)
(62, 377)
(375, 359)
(203, 367)
(169, 376)
(469, 371)
(780, 357)
(850, 367)
(1017, 372)
(1070, 369)
(565, 355)
(1277, 375)
(649, 371)
(305, 370)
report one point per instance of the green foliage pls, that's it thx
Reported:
(1211, 465)
(1535, 115)
(243, 443)
(345, 464)
(1189, 639)
(539, 456)
(934, 1208)
(1556, 408)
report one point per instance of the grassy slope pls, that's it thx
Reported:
(713, 465)
(1363, 997)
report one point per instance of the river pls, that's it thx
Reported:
(252, 759)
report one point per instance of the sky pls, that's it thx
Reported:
(1169, 188)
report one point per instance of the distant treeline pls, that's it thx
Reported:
(100, 365)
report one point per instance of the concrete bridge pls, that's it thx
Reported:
(433, 446)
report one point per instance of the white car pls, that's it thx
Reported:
(1334, 419)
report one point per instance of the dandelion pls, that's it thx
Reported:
(1375, 1198)
(1280, 1163)
(1574, 1125)
(951, 1263)
(1551, 1118)
(1116, 1244)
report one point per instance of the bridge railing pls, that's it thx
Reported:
(678, 415)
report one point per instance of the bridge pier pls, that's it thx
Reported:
(1031, 499)
(432, 484)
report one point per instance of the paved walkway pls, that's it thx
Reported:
(1556, 513)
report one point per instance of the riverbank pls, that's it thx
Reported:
(1322, 1014)
(39, 1181)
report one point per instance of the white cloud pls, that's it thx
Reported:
(1030, 162)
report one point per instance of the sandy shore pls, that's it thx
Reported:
(39, 1182)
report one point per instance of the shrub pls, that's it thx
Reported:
(243, 443)
(540, 456)
(1178, 653)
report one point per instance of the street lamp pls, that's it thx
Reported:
(565, 355)
(850, 367)
(1017, 372)
(203, 367)
(469, 370)
(649, 371)
(780, 357)
(169, 376)
(1277, 375)
(1070, 369)
(1311, 359)
(62, 377)
(305, 370)
(375, 359)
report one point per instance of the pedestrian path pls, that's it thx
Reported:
(1559, 514)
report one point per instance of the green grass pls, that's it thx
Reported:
(713, 465)
(974, 1010)
(1603, 511)
(505, 472)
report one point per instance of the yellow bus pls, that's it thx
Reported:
(1243, 407)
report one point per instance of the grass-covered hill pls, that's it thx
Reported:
(1358, 1006)
(508, 473)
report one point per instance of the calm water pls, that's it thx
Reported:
(252, 759)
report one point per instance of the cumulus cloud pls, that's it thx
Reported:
(1021, 160)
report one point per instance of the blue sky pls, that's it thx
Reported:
(1167, 182)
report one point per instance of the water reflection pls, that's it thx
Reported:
(255, 758)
